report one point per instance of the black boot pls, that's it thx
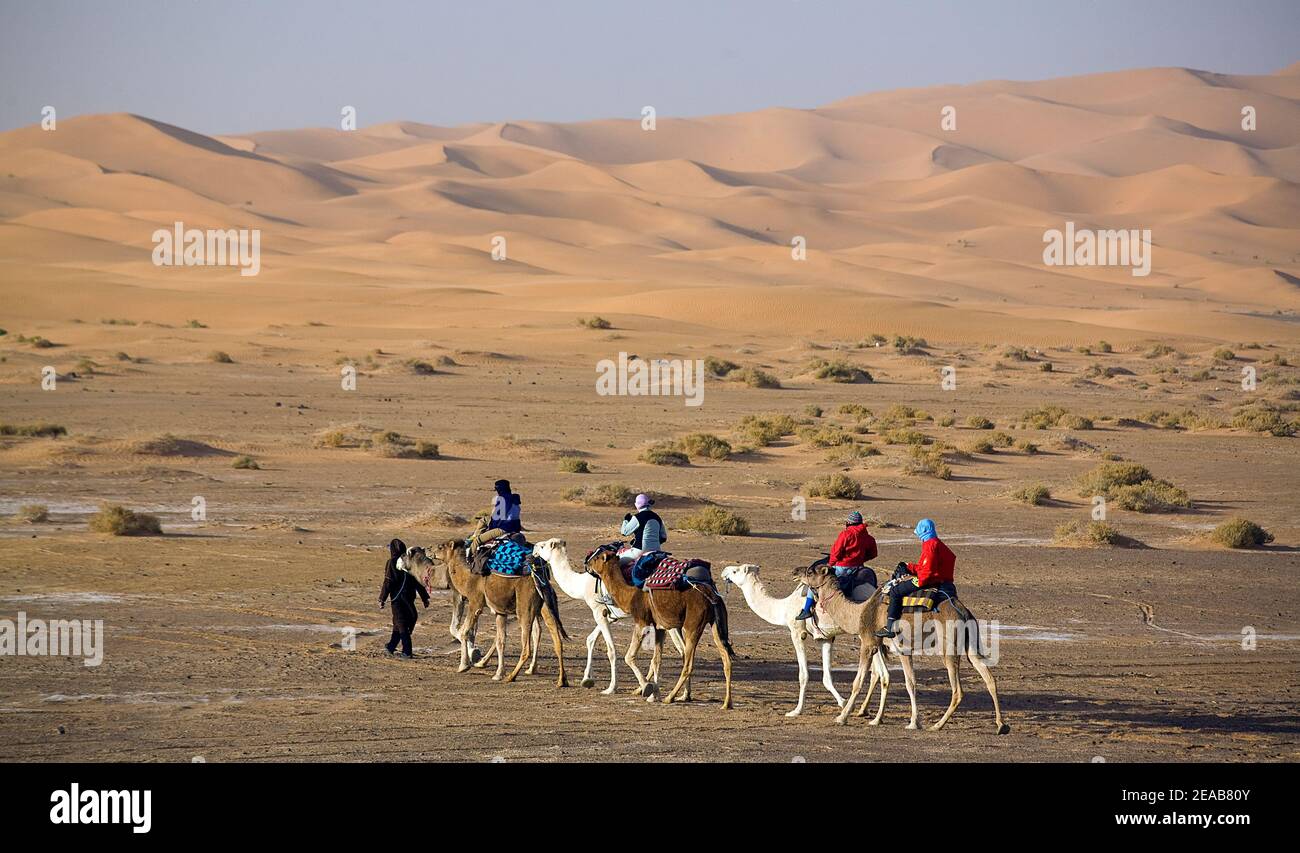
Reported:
(889, 631)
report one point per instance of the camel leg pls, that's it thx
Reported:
(954, 681)
(884, 685)
(871, 688)
(602, 625)
(676, 635)
(909, 678)
(656, 661)
(554, 628)
(499, 646)
(630, 660)
(879, 675)
(466, 637)
(726, 667)
(587, 680)
(983, 669)
(827, 680)
(864, 658)
(537, 635)
(801, 657)
(526, 621)
(688, 663)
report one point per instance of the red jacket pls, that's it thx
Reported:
(853, 547)
(936, 564)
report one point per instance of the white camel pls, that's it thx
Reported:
(581, 586)
(782, 611)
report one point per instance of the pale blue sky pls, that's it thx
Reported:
(237, 66)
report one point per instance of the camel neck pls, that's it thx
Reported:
(770, 608)
(573, 583)
(620, 590)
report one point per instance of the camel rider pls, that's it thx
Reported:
(935, 568)
(851, 551)
(503, 518)
(646, 528)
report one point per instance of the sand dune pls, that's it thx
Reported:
(923, 222)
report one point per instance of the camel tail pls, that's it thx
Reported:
(542, 580)
(720, 616)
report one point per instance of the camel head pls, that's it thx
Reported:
(740, 575)
(815, 576)
(604, 565)
(551, 549)
(431, 574)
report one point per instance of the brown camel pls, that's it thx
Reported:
(692, 610)
(947, 624)
(518, 596)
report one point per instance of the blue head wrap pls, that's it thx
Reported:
(925, 530)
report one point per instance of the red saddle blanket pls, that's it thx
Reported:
(670, 572)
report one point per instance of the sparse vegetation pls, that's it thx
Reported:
(36, 430)
(246, 463)
(606, 494)
(34, 513)
(194, 324)
(837, 486)
(705, 445)
(664, 453)
(829, 435)
(838, 371)
(595, 323)
(1131, 486)
(1035, 495)
(1092, 533)
(1240, 533)
(715, 521)
(220, 357)
(419, 367)
(763, 430)
(930, 462)
(755, 378)
(574, 465)
(979, 422)
(119, 521)
(1223, 354)
(1263, 418)
(719, 367)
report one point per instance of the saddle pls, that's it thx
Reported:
(928, 599)
(860, 585)
(672, 573)
(507, 557)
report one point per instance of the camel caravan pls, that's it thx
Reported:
(916, 612)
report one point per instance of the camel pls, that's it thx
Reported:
(865, 618)
(580, 585)
(782, 611)
(504, 596)
(691, 610)
(436, 576)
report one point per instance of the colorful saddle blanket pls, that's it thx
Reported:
(672, 573)
(509, 558)
(929, 598)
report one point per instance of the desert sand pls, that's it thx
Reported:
(224, 634)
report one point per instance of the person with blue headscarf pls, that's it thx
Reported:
(935, 568)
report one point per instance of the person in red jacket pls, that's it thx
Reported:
(852, 548)
(935, 568)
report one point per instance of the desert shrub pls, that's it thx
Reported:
(1001, 439)
(1035, 495)
(1263, 418)
(813, 410)
(1026, 446)
(194, 324)
(1240, 533)
(872, 340)
(574, 465)
(849, 453)
(908, 345)
(595, 323)
(606, 494)
(247, 463)
(1223, 354)
(716, 521)
(838, 371)
(1042, 417)
(394, 445)
(857, 411)
(766, 429)
(119, 521)
(1070, 421)
(946, 421)
(1159, 351)
(446, 361)
(34, 513)
(901, 416)
(705, 445)
(36, 430)
(1045, 367)
(1017, 354)
(719, 366)
(1105, 478)
(755, 378)
(979, 422)
(1091, 533)
(825, 436)
(220, 357)
(1102, 346)
(664, 453)
(1155, 496)
(419, 367)
(979, 445)
(1201, 376)
(930, 462)
(906, 437)
(833, 486)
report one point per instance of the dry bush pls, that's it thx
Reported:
(1240, 533)
(715, 521)
(595, 323)
(928, 462)
(119, 521)
(574, 465)
(606, 494)
(1092, 533)
(34, 513)
(36, 430)
(704, 445)
(838, 371)
(1035, 495)
(664, 453)
(833, 486)
(247, 463)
